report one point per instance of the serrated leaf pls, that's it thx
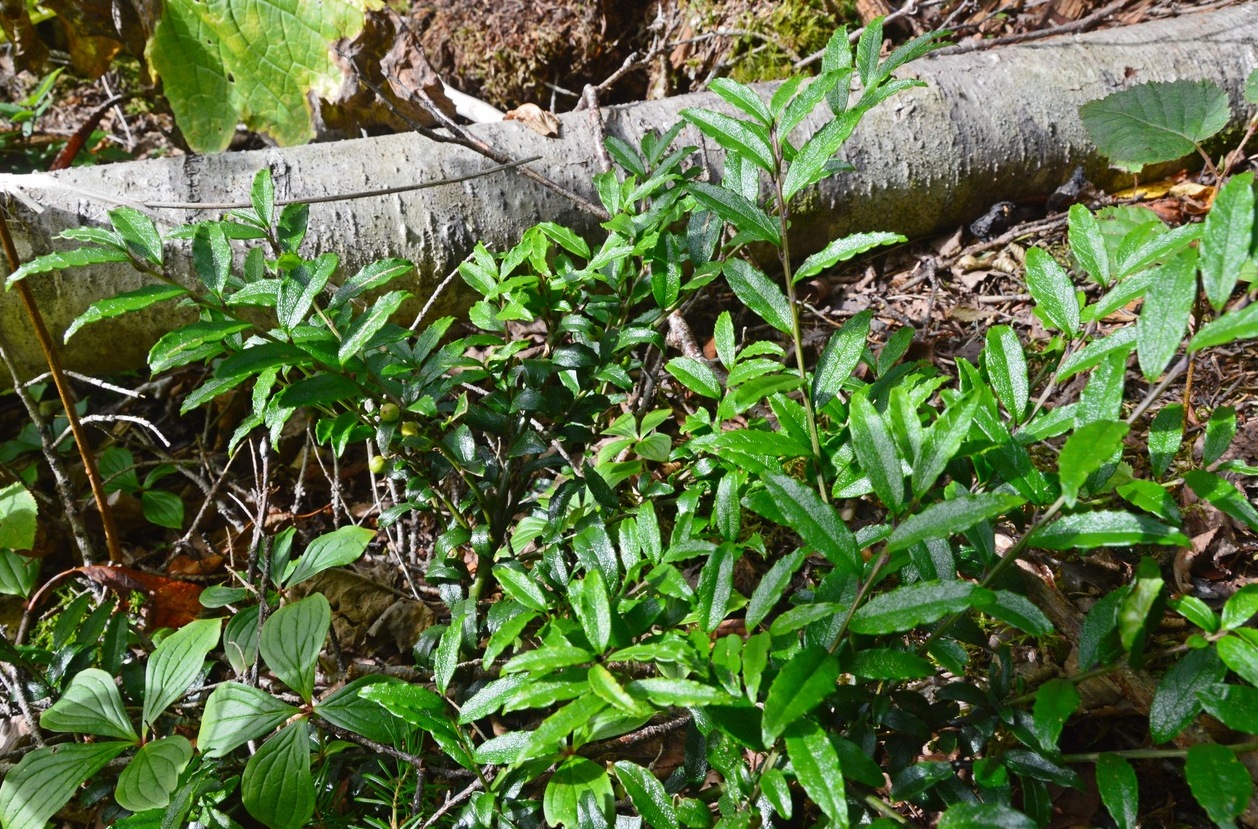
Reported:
(124, 303)
(817, 768)
(1154, 122)
(843, 249)
(890, 664)
(759, 293)
(716, 584)
(987, 815)
(801, 685)
(1226, 238)
(689, 693)
(811, 162)
(277, 787)
(237, 713)
(876, 452)
(1229, 328)
(317, 390)
(1053, 292)
(1006, 366)
(696, 376)
(1165, 314)
(520, 585)
(183, 345)
(1055, 702)
(772, 587)
(817, 522)
(839, 359)
(1222, 494)
(18, 512)
(1119, 789)
(371, 276)
(1175, 702)
(91, 704)
(745, 216)
(942, 441)
(1091, 446)
(152, 776)
(592, 605)
(175, 663)
(219, 68)
(1219, 781)
(1220, 430)
(62, 260)
(647, 794)
(749, 140)
(335, 549)
(368, 325)
(46, 778)
(1088, 244)
(1105, 528)
(291, 640)
(945, 519)
(1124, 339)
(906, 607)
(139, 233)
(1166, 435)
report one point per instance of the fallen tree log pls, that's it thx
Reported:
(989, 125)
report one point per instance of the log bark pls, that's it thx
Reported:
(988, 126)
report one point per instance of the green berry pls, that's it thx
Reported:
(390, 413)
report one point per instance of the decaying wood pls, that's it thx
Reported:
(988, 126)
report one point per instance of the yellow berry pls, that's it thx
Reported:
(389, 413)
(376, 464)
(409, 429)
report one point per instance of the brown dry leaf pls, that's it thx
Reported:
(170, 603)
(366, 611)
(535, 118)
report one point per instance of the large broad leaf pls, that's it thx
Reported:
(1155, 122)
(277, 787)
(904, 608)
(1219, 781)
(1175, 703)
(175, 664)
(235, 714)
(91, 705)
(816, 765)
(257, 61)
(798, 688)
(152, 776)
(17, 518)
(575, 779)
(46, 778)
(1105, 528)
(291, 640)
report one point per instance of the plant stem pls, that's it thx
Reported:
(1151, 753)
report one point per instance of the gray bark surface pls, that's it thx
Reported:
(989, 125)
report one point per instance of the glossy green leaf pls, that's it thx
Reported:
(716, 584)
(1091, 446)
(647, 794)
(1154, 122)
(1236, 706)
(1165, 314)
(986, 815)
(841, 356)
(1240, 607)
(817, 768)
(124, 303)
(1055, 702)
(369, 324)
(743, 97)
(1123, 340)
(152, 776)
(1105, 528)
(1223, 494)
(843, 249)
(1175, 702)
(235, 714)
(183, 345)
(372, 275)
(574, 778)
(1006, 366)
(1220, 431)
(46, 778)
(139, 233)
(1219, 781)
(749, 140)
(941, 442)
(519, 584)
(446, 659)
(91, 704)
(817, 522)
(801, 685)
(1226, 238)
(1053, 292)
(745, 216)
(339, 547)
(348, 708)
(811, 162)
(666, 692)
(176, 662)
(1241, 656)
(1019, 611)
(759, 293)
(18, 511)
(559, 725)
(1231, 327)
(696, 376)
(877, 453)
(291, 640)
(772, 587)
(64, 260)
(1119, 789)
(904, 608)
(944, 519)
(1166, 435)
(277, 787)
(1140, 250)
(593, 608)
(890, 664)
(1088, 244)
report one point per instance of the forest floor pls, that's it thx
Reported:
(950, 288)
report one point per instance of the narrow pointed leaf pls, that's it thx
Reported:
(876, 452)
(817, 768)
(759, 293)
(841, 250)
(1085, 451)
(817, 522)
(1053, 292)
(1119, 789)
(801, 685)
(1006, 366)
(839, 359)
(1165, 314)
(738, 211)
(751, 141)
(648, 795)
(904, 608)
(1105, 528)
(945, 519)
(1226, 238)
